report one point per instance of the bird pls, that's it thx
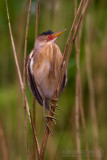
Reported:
(43, 64)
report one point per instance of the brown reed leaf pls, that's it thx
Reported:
(24, 75)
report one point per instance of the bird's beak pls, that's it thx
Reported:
(55, 35)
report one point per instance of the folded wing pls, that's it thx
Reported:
(32, 84)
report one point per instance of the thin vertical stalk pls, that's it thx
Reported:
(72, 28)
(21, 24)
(34, 99)
(24, 89)
(77, 96)
(3, 142)
(77, 118)
(37, 19)
(91, 91)
(73, 39)
(83, 119)
(44, 143)
(21, 82)
(34, 123)
(65, 62)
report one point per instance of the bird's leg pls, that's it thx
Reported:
(47, 116)
(55, 106)
(44, 112)
(58, 108)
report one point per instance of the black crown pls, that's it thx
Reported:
(47, 32)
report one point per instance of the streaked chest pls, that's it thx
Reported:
(43, 62)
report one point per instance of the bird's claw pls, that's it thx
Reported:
(55, 106)
(53, 119)
(58, 108)
(53, 112)
(50, 117)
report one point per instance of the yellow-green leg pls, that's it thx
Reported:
(47, 116)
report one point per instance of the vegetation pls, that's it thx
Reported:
(69, 129)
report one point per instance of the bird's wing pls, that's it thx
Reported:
(64, 82)
(32, 83)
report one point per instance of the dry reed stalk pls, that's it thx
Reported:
(34, 99)
(60, 78)
(77, 109)
(91, 91)
(34, 123)
(77, 96)
(73, 39)
(21, 82)
(46, 133)
(83, 120)
(72, 28)
(3, 142)
(37, 18)
(44, 142)
(24, 85)
(21, 23)
(65, 61)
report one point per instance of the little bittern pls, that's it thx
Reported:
(43, 66)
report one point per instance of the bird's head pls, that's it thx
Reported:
(47, 37)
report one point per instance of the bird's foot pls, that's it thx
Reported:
(54, 99)
(47, 117)
(55, 106)
(47, 125)
(53, 112)
(52, 118)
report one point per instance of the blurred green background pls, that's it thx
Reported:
(54, 15)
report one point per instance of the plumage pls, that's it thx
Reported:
(42, 69)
